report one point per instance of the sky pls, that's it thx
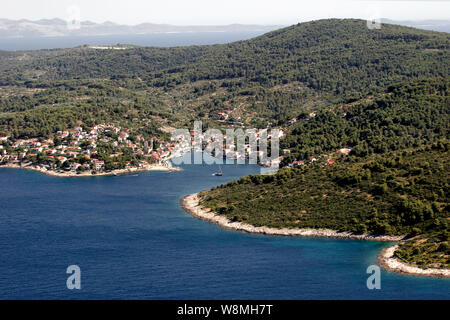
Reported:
(214, 12)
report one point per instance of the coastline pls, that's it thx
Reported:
(386, 258)
(389, 262)
(71, 174)
(191, 205)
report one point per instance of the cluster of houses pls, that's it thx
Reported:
(213, 143)
(324, 159)
(294, 120)
(78, 147)
(225, 115)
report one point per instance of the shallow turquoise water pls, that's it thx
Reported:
(132, 240)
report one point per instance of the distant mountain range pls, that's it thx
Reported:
(435, 25)
(59, 27)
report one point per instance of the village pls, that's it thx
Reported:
(230, 152)
(100, 149)
(219, 146)
(109, 149)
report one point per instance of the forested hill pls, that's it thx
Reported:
(336, 56)
(261, 82)
(407, 115)
(394, 181)
(332, 55)
(401, 193)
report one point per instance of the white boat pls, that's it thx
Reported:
(218, 173)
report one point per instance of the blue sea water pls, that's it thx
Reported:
(132, 240)
(146, 40)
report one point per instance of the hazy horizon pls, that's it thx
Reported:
(229, 24)
(203, 12)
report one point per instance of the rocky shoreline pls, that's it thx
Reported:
(190, 204)
(69, 174)
(388, 261)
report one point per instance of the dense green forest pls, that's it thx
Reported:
(338, 56)
(406, 115)
(397, 193)
(264, 81)
(428, 250)
(65, 104)
(395, 180)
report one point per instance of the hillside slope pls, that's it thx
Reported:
(332, 55)
(407, 115)
(394, 182)
(260, 82)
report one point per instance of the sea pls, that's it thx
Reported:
(130, 239)
(146, 40)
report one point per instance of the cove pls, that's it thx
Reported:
(132, 240)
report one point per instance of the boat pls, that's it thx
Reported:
(218, 173)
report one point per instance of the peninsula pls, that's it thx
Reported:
(387, 257)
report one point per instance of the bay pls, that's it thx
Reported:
(146, 40)
(132, 240)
